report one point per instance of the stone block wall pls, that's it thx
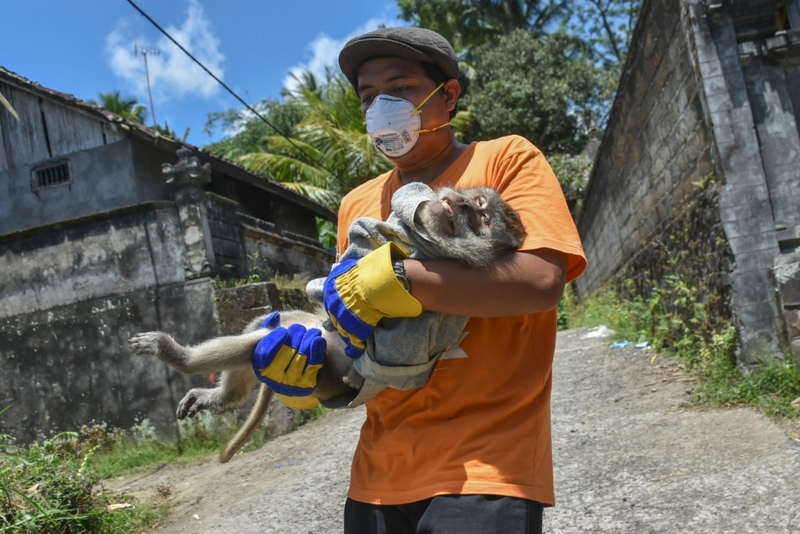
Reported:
(689, 252)
(227, 235)
(655, 147)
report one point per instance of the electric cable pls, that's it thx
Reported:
(237, 97)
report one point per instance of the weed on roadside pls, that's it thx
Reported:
(47, 488)
(673, 319)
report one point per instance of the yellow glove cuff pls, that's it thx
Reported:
(298, 403)
(382, 289)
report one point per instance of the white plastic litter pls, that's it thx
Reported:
(601, 331)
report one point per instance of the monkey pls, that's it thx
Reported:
(233, 355)
(472, 225)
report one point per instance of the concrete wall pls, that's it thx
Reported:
(698, 100)
(70, 366)
(655, 146)
(746, 198)
(73, 293)
(103, 179)
(244, 245)
(110, 253)
(71, 296)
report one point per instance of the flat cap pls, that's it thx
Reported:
(416, 44)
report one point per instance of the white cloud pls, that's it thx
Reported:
(172, 73)
(324, 51)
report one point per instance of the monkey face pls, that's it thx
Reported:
(475, 224)
(461, 214)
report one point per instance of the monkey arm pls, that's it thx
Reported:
(517, 283)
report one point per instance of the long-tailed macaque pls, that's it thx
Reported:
(473, 225)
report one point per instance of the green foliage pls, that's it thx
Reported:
(247, 133)
(471, 23)
(306, 416)
(328, 152)
(140, 446)
(48, 489)
(607, 27)
(600, 29)
(544, 88)
(166, 131)
(630, 319)
(127, 108)
(327, 233)
(673, 319)
(770, 388)
(573, 175)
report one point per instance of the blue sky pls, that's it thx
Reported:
(84, 47)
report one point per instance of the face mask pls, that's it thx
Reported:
(394, 123)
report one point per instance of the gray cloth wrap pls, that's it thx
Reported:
(401, 352)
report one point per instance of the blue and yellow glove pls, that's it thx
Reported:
(359, 293)
(288, 360)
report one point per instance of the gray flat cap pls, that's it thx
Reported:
(416, 44)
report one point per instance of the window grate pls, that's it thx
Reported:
(52, 176)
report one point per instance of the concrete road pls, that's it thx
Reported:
(631, 456)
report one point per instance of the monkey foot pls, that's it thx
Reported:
(146, 343)
(195, 401)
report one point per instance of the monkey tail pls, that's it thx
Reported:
(257, 414)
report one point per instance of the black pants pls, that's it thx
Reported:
(446, 514)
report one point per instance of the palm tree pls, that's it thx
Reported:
(127, 108)
(328, 152)
(166, 131)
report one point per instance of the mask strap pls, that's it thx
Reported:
(428, 130)
(417, 110)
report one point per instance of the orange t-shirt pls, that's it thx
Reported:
(482, 423)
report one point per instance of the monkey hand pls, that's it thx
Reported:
(288, 360)
(359, 293)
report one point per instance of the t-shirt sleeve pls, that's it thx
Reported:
(526, 181)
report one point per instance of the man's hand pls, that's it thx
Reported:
(358, 294)
(288, 360)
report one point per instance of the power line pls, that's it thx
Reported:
(237, 97)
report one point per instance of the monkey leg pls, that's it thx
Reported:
(233, 389)
(228, 352)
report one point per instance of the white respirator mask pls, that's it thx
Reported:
(394, 123)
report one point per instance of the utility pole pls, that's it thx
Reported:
(144, 51)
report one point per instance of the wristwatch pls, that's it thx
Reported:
(400, 273)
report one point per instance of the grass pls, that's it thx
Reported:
(52, 487)
(47, 489)
(683, 331)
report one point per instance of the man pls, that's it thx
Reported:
(471, 450)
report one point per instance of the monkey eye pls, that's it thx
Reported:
(485, 218)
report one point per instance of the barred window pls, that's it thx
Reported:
(51, 175)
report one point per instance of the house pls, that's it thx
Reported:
(697, 178)
(108, 228)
